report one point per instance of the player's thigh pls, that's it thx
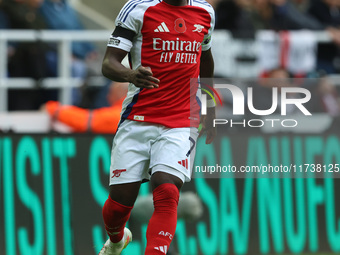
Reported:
(175, 149)
(130, 154)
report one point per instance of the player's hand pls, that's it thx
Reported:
(142, 77)
(207, 125)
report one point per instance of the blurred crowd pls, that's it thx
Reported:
(243, 18)
(247, 16)
(39, 59)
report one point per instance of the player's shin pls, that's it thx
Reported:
(162, 225)
(115, 216)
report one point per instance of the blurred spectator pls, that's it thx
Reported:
(102, 120)
(301, 5)
(262, 14)
(286, 16)
(282, 15)
(28, 58)
(242, 15)
(325, 97)
(38, 59)
(327, 12)
(235, 15)
(94, 96)
(328, 98)
(4, 22)
(59, 15)
(263, 93)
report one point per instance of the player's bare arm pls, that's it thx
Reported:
(113, 69)
(207, 71)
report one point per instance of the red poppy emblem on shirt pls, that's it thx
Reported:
(180, 25)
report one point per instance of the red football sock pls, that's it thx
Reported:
(162, 225)
(115, 217)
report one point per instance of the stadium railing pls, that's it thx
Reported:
(64, 80)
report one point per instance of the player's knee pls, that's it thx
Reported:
(159, 178)
(113, 210)
(167, 193)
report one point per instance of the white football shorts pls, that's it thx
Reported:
(139, 149)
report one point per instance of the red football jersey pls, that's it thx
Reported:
(169, 39)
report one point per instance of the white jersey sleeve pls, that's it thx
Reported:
(206, 44)
(130, 17)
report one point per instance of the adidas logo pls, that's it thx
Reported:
(162, 28)
(184, 163)
(163, 249)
